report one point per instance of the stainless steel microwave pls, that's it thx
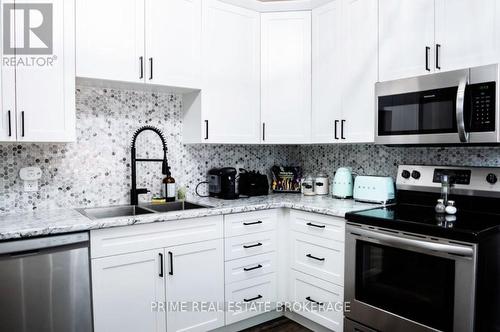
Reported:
(457, 107)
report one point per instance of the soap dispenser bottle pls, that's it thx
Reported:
(169, 187)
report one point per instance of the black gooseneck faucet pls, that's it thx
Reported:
(165, 169)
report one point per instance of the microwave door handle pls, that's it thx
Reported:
(463, 135)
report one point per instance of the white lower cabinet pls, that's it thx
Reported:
(172, 273)
(125, 288)
(322, 301)
(195, 276)
(251, 297)
(321, 258)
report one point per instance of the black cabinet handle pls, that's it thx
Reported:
(316, 258)
(263, 131)
(246, 269)
(313, 301)
(252, 223)
(161, 265)
(427, 51)
(171, 257)
(22, 123)
(206, 129)
(10, 123)
(253, 245)
(141, 71)
(253, 298)
(342, 129)
(150, 68)
(438, 49)
(314, 225)
(336, 130)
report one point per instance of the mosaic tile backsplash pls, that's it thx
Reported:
(95, 171)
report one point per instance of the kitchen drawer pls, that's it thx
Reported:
(249, 245)
(309, 290)
(315, 224)
(133, 238)
(250, 267)
(250, 222)
(320, 257)
(250, 298)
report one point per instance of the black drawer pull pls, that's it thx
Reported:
(313, 301)
(252, 223)
(253, 245)
(427, 51)
(253, 298)
(316, 258)
(161, 265)
(10, 123)
(252, 268)
(314, 225)
(171, 256)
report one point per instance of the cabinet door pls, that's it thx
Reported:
(195, 275)
(231, 88)
(173, 42)
(467, 33)
(327, 78)
(110, 40)
(286, 77)
(360, 65)
(45, 89)
(126, 289)
(7, 92)
(406, 29)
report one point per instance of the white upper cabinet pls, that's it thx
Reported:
(7, 98)
(406, 38)
(152, 41)
(173, 42)
(361, 72)
(195, 274)
(467, 33)
(327, 76)
(231, 74)
(344, 71)
(39, 104)
(110, 40)
(286, 77)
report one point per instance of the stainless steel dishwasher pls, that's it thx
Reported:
(45, 284)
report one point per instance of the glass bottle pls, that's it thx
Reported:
(169, 187)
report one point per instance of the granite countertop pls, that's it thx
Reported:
(57, 221)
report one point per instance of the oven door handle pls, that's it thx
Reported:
(397, 241)
(463, 135)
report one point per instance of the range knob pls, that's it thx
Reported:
(406, 174)
(415, 175)
(491, 178)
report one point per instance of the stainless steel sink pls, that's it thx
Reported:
(114, 211)
(132, 210)
(174, 206)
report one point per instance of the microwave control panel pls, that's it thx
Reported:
(481, 101)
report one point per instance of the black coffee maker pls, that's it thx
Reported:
(222, 183)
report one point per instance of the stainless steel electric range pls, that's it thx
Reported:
(409, 268)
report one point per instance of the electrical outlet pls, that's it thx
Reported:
(30, 177)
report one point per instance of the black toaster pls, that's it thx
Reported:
(253, 183)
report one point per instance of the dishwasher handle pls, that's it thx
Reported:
(34, 244)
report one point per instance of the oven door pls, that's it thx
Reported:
(442, 108)
(399, 282)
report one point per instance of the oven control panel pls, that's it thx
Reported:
(471, 180)
(481, 103)
(455, 176)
